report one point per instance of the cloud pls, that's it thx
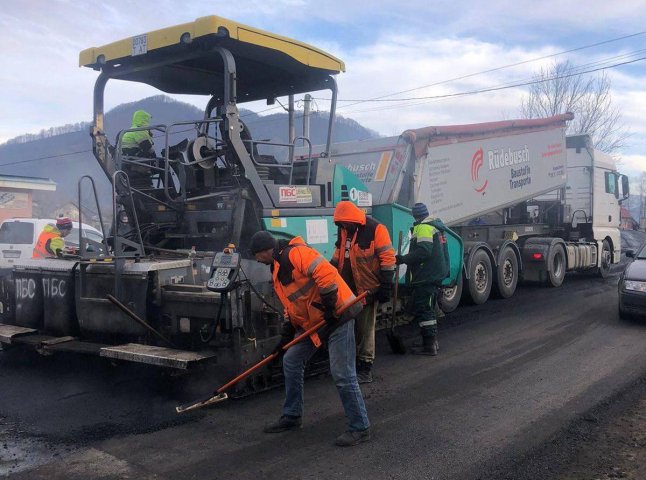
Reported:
(445, 67)
(632, 164)
(387, 48)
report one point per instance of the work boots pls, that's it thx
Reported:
(364, 372)
(429, 346)
(284, 423)
(353, 437)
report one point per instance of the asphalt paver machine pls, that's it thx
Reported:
(174, 285)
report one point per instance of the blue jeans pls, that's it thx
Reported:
(342, 350)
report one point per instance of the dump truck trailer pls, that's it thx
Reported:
(529, 202)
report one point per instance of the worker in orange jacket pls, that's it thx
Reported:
(311, 290)
(365, 258)
(50, 243)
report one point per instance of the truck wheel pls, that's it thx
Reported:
(449, 298)
(556, 264)
(480, 278)
(604, 268)
(507, 274)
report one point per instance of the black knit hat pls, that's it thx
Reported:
(419, 211)
(261, 241)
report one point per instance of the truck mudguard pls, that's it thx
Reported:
(454, 253)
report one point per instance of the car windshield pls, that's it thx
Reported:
(18, 233)
(642, 253)
(73, 238)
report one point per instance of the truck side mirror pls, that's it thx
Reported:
(630, 253)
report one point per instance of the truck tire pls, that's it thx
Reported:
(556, 264)
(507, 273)
(449, 298)
(480, 278)
(606, 256)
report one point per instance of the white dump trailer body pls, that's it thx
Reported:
(528, 202)
(463, 172)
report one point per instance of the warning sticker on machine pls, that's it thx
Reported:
(362, 199)
(295, 195)
(316, 231)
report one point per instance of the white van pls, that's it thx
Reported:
(18, 236)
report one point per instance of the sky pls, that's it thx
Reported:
(419, 47)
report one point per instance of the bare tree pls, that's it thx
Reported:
(559, 89)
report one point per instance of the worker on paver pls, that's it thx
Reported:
(50, 243)
(310, 290)
(138, 143)
(365, 258)
(427, 264)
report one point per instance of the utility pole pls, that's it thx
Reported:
(292, 129)
(306, 115)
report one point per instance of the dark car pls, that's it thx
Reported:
(632, 285)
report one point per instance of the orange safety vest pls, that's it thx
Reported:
(40, 250)
(370, 247)
(300, 276)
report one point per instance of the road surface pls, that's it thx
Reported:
(513, 376)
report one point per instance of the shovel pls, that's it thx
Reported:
(220, 394)
(394, 340)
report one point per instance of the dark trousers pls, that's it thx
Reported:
(423, 301)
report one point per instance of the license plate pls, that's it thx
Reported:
(139, 45)
(11, 254)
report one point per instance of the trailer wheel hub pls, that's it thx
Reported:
(481, 280)
(507, 272)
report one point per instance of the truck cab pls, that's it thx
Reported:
(593, 195)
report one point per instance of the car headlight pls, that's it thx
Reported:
(635, 286)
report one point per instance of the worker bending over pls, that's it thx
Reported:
(50, 243)
(311, 290)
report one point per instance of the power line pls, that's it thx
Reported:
(48, 157)
(495, 69)
(576, 70)
(44, 158)
(421, 100)
(425, 99)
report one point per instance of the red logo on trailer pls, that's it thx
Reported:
(476, 164)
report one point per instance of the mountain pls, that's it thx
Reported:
(64, 153)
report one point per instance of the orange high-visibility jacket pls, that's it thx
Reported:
(49, 241)
(371, 250)
(300, 276)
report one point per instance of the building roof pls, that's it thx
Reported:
(625, 213)
(27, 183)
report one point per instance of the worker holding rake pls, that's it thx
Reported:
(311, 290)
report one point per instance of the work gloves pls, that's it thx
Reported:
(287, 332)
(399, 259)
(329, 306)
(383, 293)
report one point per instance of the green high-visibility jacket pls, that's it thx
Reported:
(426, 258)
(140, 118)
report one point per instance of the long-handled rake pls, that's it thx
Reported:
(220, 394)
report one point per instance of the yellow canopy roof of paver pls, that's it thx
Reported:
(181, 59)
